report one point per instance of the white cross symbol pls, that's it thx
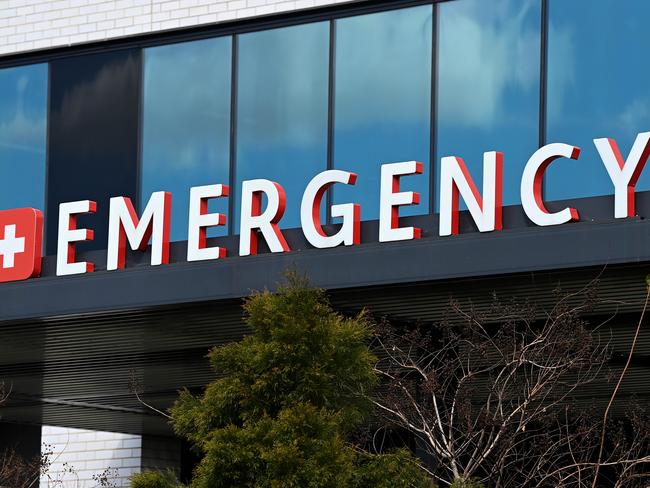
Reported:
(10, 246)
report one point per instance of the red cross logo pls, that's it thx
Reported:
(21, 248)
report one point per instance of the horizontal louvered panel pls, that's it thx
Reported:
(74, 371)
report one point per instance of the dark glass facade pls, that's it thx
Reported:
(93, 137)
(350, 92)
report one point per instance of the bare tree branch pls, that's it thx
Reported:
(503, 396)
(136, 387)
(618, 385)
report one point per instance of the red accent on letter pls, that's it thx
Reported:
(315, 210)
(90, 235)
(455, 195)
(394, 212)
(144, 243)
(257, 211)
(203, 231)
(635, 176)
(539, 180)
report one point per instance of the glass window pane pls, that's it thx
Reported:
(282, 110)
(186, 127)
(598, 86)
(23, 136)
(488, 85)
(383, 102)
(93, 137)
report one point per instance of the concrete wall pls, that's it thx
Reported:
(27, 25)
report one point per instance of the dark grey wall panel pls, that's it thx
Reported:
(85, 362)
(576, 245)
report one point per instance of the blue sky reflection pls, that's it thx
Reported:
(282, 110)
(383, 102)
(598, 87)
(186, 126)
(23, 136)
(488, 85)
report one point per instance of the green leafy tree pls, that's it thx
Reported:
(287, 400)
(466, 483)
(151, 479)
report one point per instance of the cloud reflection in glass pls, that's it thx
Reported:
(599, 83)
(186, 124)
(383, 102)
(488, 85)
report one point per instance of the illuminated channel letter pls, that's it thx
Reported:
(69, 235)
(123, 225)
(455, 181)
(624, 174)
(531, 185)
(252, 217)
(200, 220)
(350, 231)
(391, 199)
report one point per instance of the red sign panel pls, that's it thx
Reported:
(21, 248)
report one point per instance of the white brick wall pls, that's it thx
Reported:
(27, 25)
(78, 454)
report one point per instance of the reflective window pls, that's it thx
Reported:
(282, 110)
(383, 102)
(93, 137)
(488, 85)
(23, 136)
(598, 86)
(186, 126)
